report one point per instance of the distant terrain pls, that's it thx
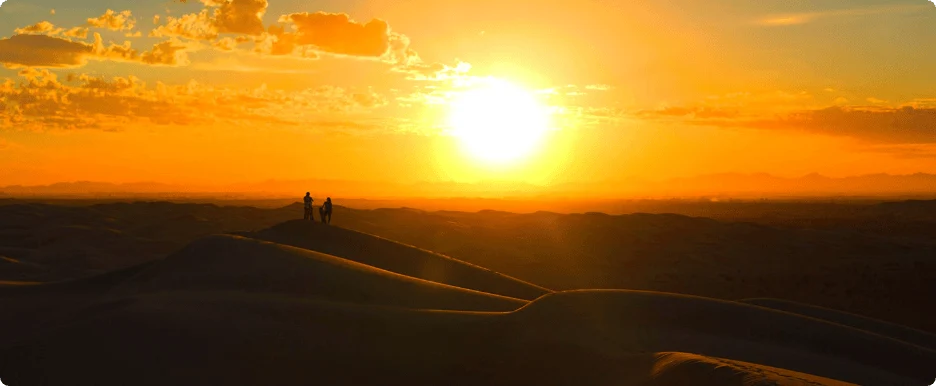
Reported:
(718, 186)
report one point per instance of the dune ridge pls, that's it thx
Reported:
(396, 257)
(233, 263)
(677, 368)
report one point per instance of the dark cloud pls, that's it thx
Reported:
(895, 125)
(241, 16)
(169, 53)
(42, 51)
(902, 125)
(52, 52)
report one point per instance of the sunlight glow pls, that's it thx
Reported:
(498, 122)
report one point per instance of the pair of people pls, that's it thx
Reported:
(324, 211)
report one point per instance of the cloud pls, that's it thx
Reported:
(303, 35)
(337, 33)
(42, 27)
(52, 52)
(691, 114)
(802, 18)
(115, 21)
(42, 51)
(598, 87)
(420, 71)
(228, 43)
(170, 53)
(912, 151)
(807, 17)
(47, 28)
(77, 32)
(279, 42)
(218, 16)
(195, 26)
(905, 125)
(240, 16)
(41, 101)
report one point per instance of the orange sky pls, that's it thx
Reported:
(224, 91)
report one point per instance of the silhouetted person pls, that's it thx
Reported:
(327, 211)
(307, 200)
(322, 213)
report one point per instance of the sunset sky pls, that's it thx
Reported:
(226, 91)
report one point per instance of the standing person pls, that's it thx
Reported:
(307, 200)
(322, 213)
(328, 210)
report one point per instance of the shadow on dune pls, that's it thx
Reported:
(896, 331)
(216, 338)
(654, 321)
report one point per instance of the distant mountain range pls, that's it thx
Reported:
(811, 184)
(714, 185)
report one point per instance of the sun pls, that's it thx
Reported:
(498, 122)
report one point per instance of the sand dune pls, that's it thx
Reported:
(343, 307)
(652, 321)
(233, 263)
(210, 337)
(896, 331)
(393, 256)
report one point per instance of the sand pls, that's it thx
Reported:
(336, 307)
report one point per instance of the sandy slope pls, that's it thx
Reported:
(233, 263)
(207, 337)
(896, 331)
(653, 321)
(394, 256)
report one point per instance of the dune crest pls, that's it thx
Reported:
(676, 368)
(233, 263)
(396, 257)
